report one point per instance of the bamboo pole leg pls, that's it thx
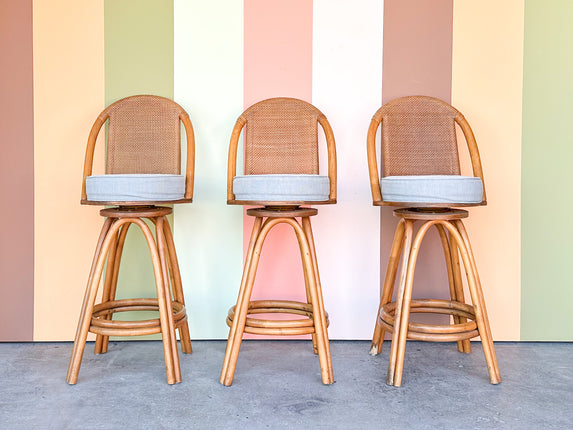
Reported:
(177, 286)
(106, 294)
(319, 315)
(407, 296)
(106, 236)
(309, 298)
(388, 287)
(242, 307)
(451, 277)
(164, 300)
(408, 230)
(113, 289)
(459, 287)
(478, 301)
(307, 229)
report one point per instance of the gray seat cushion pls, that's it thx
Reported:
(135, 187)
(281, 188)
(432, 189)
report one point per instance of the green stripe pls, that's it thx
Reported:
(138, 60)
(547, 203)
(138, 48)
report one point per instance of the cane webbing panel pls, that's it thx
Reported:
(419, 138)
(144, 136)
(281, 136)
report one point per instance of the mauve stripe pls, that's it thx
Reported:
(277, 62)
(17, 172)
(417, 59)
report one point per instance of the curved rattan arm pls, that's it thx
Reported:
(331, 148)
(473, 150)
(372, 160)
(232, 161)
(89, 158)
(190, 165)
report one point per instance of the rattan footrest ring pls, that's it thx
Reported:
(432, 332)
(287, 327)
(108, 327)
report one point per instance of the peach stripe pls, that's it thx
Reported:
(277, 62)
(68, 96)
(487, 84)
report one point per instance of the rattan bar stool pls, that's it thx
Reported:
(143, 165)
(281, 174)
(421, 173)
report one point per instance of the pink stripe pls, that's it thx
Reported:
(17, 172)
(277, 62)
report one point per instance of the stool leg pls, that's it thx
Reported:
(478, 301)
(177, 287)
(242, 306)
(106, 236)
(459, 287)
(164, 297)
(403, 336)
(454, 279)
(388, 288)
(315, 290)
(110, 283)
(307, 290)
(408, 231)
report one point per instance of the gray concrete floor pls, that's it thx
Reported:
(277, 385)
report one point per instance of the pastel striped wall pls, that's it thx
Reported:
(69, 59)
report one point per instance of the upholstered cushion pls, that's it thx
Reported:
(432, 189)
(281, 188)
(135, 187)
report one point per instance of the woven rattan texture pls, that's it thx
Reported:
(144, 136)
(419, 138)
(281, 136)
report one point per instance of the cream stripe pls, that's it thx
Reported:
(347, 87)
(68, 95)
(209, 85)
(486, 87)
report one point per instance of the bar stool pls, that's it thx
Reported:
(281, 174)
(143, 165)
(421, 173)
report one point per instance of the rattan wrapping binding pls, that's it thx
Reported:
(419, 137)
(284, 139)
(144, 136)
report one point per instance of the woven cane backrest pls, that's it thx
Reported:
(144, 136)
(419, 137)
(281, 136)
